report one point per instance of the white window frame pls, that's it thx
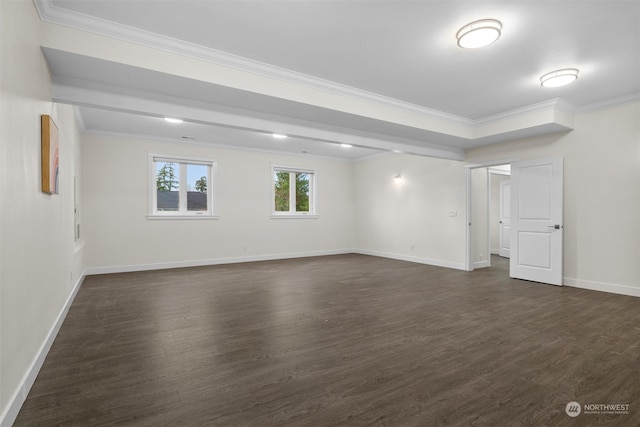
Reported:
(182, 212)
(292, 213)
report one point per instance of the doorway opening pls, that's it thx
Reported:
(536, 219)
(488, 213)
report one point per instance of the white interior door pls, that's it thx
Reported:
(505, 219)
(536, 220)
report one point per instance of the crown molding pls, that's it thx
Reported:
(610, 103)
(556, 104)
(50, 13)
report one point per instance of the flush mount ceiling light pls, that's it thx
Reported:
(559, 77)
(479, 33)
(346, 145)
(279, 135)
(173, 120)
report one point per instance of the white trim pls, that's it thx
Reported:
(294, 216)
(418, 260)
(213, 261)
(203, 216)
(602, 287)
(468, 265)
(490, 163)
(610, 103)
(268, 257)
(481, 264)
(16, 401)
(171, 159)
(499, 171)
(292, 169)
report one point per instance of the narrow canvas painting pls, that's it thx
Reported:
(50, 156)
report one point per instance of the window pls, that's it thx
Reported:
(293, 192)
(181, 188)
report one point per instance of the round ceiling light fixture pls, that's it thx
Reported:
(479, 33)
(560, 77)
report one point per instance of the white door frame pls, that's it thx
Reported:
(468, 265)
(504, 221)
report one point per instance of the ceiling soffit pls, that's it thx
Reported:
(400, 126)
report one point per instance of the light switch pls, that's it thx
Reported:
(453, 214)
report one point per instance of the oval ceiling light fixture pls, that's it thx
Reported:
(173, 120)
(279, 135)
(559, 77)
(343, 145)
(479, 33)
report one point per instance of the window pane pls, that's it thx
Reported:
(281, 181)
(167, 185)
(197, 187)
(302, 192)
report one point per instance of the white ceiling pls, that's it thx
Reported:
(393, 52)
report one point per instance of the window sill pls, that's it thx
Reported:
(182, 217)
(294, 216)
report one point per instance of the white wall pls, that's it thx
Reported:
(411, 219)
(601, 194)
(39, 262)
(121, 238)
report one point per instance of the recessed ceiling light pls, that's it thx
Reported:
(278, 135)
(479, 33)
(173, 120)
(346, 145)
(559, 77)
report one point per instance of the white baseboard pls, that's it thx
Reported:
(214, 261)
(10, 413)
(603, 287)
(419, 260)
(480, 264)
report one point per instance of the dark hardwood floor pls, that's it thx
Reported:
(338, 340)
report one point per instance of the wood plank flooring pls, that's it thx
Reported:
(337, 340)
